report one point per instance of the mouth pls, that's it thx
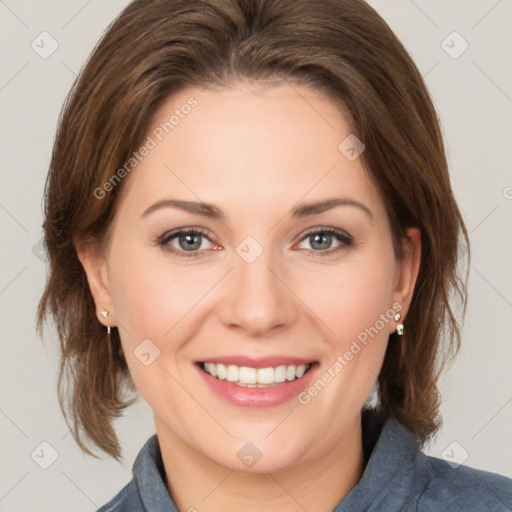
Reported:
(249, 377)
(263, 382)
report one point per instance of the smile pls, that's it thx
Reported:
(246, 376)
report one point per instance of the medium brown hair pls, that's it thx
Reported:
(342, 48)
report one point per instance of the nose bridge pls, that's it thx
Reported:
(255, 299)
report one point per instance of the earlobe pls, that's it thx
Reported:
(94, 264)
(408, 270)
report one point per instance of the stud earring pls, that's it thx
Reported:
(399, 327)
(104, 313)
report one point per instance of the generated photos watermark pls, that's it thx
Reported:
(343, 360)
(151, 142)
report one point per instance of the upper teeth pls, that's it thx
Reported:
(244, 375)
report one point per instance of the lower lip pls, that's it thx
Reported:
(269, 396)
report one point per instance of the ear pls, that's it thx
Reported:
(94, 263)
(407, 270)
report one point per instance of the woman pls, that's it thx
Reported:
(250, 223)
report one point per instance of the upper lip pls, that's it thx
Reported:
(257, 362)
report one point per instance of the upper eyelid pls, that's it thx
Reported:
(325, 229)
(174, 232)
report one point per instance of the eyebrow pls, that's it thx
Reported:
(212, 212)
(316, 207)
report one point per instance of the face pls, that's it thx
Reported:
(251, 274)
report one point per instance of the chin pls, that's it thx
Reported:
(258, 452)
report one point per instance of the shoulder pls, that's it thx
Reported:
(399, 476)
(464, 488)
(126, 500)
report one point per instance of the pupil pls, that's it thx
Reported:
(318, 239)
(189, 242)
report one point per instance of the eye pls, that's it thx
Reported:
(192, 242)
(321, 239)
(185, 242)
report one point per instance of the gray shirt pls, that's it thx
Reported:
(398, 478)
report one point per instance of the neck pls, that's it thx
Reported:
(315, 484)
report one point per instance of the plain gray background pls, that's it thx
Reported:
(472, 90)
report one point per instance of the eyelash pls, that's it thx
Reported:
(344, 239)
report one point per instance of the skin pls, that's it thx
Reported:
(254, 152)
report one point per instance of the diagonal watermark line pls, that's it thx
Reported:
(301, 300)
(199, 403)
(501, 409)
(492, 211)
(76, 14)
(303, 97)
(79, 488)
(300, 199)
(484, 16)
(72, 72)
(3, 3)
(14, 423)
(14, 218)
(495, 289)
(286, 491)
(13, 279)
(14, 76)
(431, 69)
(119, 324)
(491, 80)
(281, 422)
(424, 13)
(198, 301)
(217, 486)
(14, 486)
(374, 373)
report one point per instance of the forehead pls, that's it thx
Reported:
(249, 145)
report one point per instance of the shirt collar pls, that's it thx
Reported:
(394, 465)
(149, 478)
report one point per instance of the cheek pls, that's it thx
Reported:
(152, 301)
(352, 298)
(150, 297)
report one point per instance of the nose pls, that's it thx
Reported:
(257, 299)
